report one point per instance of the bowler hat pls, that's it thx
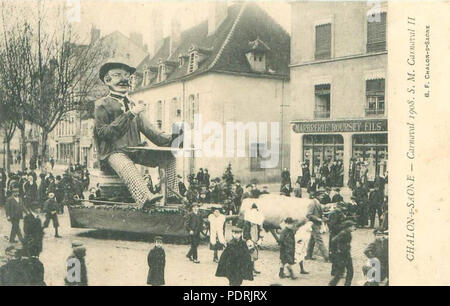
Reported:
(114, 65)
(158, 238)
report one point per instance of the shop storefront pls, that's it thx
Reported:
(339, 143)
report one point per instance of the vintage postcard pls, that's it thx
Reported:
(224, 143)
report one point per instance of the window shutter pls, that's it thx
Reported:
(376, 34)
(323, 41)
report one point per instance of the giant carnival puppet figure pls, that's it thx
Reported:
(118, 124)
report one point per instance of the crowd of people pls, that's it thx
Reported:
(25, 194)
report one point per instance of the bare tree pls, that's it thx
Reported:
(14, 81)
(56, 73)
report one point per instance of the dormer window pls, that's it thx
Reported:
(162, 71)
(180, 61)
(146, 76)
(256, 55)
(193, 61)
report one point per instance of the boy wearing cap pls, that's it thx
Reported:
(342, 258)
(76, 274)
(287, 248)
(51, 210)
(156, 260)
(118, 124)
(194, 225)
(235, 263)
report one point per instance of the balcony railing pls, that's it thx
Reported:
(374, 111)
(321, 114)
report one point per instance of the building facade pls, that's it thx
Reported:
(338, 83)
(231, 69)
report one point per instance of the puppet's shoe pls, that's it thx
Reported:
(196, 261)
(304, 272)
(281, 274)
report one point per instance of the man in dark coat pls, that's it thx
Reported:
(194, 225)
(375, 206)
(33, 234)
(343, 258)
(287, 248)
(156, 260)
(21, 270)
(206, 178)
(360, 196)
(30, 192)
(324, 172)
(51, 213)
(306, 175)
(379, 249)
(200, 176)
(335, 220)
(14, 213)
(59, 194)
(235, 263)
(76, 274)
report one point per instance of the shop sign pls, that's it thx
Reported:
(341, 126)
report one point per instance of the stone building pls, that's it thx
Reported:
(338, 82)
(230, 69)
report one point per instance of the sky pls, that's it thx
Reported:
(134, 16)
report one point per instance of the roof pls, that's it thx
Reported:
(224, 51)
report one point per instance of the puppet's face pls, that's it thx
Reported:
(118, 80)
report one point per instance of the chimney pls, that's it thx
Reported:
(175, 32)
(95, 34)
(156, 30)
(217, 12)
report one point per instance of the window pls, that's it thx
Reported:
(161, 72)
(372, 151)
(193, 108)
(322, 97)
(375, 103)
(175, 110)
(159, 114)
(376, 33)
(193, 61)
(323, 41)
(322, 149)
(256, 156)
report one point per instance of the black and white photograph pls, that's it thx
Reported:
(195, 143)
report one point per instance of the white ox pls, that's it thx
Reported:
(275, 208)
